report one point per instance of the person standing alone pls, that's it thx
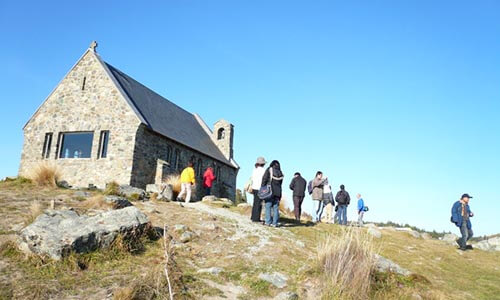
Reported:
(298, 186)
(460, 215)
(208, 179)
(257, 174)
(361, 210)
(343, 200)
(187, 182)
(274, 177)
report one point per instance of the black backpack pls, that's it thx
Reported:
(341, 197)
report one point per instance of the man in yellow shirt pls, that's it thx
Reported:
(187, 181)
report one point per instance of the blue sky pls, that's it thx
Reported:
(398, 100)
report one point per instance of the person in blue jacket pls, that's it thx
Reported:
(361, 210)
(460, 215)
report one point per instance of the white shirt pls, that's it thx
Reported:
(257, 175)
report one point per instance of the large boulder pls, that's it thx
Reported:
(492, 244)
(277, 279)
(117, 201)
(57, 233)
(450, 238)
(131, 192)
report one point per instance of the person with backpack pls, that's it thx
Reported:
(317, 196)
(187, 182)
(361, 210)
(343, 200)
(208, 179)
(256, 183)
(460, 215)
(298, 186)
(273, 177)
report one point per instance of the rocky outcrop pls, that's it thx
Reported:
(450, 238)
(277, 279)
(164, 192)
(117, 202)
(57, 233)
(492, 244)
(383, 264)
(131, 192)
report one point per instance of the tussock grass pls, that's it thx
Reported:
(35, 209)
(175, 181)
(96, 202)
(347, 262)
(112, 188)
(45, 174)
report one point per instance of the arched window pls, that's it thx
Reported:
(217, 174)
(177, 157)
(168, 157)
(221, 134)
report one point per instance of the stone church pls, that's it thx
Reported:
(100, 125)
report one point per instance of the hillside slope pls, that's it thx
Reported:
(227, 258)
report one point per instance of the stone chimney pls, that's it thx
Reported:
(222, 135)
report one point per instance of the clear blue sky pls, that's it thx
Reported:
(398, 100)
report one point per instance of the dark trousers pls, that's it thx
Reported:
(207, 191)
(257, 207)
(297, 206)
(466, 235)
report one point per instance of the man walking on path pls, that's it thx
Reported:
(343, 200)
(187, 181)
(460, 215)
(361, 210)
(317, 196)
(298, 186)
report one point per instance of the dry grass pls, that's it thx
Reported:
(96, 202)
(126, 293)
(45, 174)
(112, 188)
(35, 210)
(175, 181)
(347, 261)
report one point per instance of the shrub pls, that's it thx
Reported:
(347, 261)
(112, 188)
(45, 174)
(96, 202)
(134, 197)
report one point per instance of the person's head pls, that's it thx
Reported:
(190, 164)
(466, 198)
(359, 196)
(275, 164)
(319, 174)
(210, 168)
(260, 162)
(297, 174)
(342, 187)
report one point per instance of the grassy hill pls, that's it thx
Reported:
(226, 258)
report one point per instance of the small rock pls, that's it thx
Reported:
(300, 244)
(186, 237)
(277, 279)
(426, 236)
(414, 234)
(209, 198)
(180, 228)
(287, 296)
(374, 232)
(212, 270)
(81, 194)
(383, 264)
(153, 188)
(117, 201)
(167, 193)
(450, 238)
(63, 184)
(416, 296)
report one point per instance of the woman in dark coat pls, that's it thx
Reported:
(273, 176)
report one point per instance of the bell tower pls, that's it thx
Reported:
(222, 135)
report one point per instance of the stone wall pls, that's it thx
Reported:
(98, 106)
(151, 147)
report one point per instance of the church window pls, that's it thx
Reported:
(76, 144)
(46, 145)
(221, 134)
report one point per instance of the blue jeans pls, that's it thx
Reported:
(319, 206)
(272, 204)
(342, 214)
(466, 235)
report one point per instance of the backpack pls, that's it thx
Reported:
(341, 197)
(310, 187)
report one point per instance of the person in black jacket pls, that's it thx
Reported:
(273, 176)
(343, 200)
(298, 186)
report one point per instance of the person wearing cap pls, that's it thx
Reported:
(298, 186)
(460, 215)
(257, 174)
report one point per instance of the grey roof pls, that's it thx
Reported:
(166, 118)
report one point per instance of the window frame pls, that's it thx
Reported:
(47, 144)
(103, 144)
(61, 143)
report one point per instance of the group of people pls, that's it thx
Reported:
(188, 181)
(319, 189)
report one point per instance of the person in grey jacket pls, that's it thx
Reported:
(298, 186)
(317, 196)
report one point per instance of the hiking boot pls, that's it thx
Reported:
(462, 249)
(458, 242)
(469, 247)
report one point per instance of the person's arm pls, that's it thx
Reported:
(348, 198)
(265, 178)
(191, 174)
(454, 212)
(292, 184)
